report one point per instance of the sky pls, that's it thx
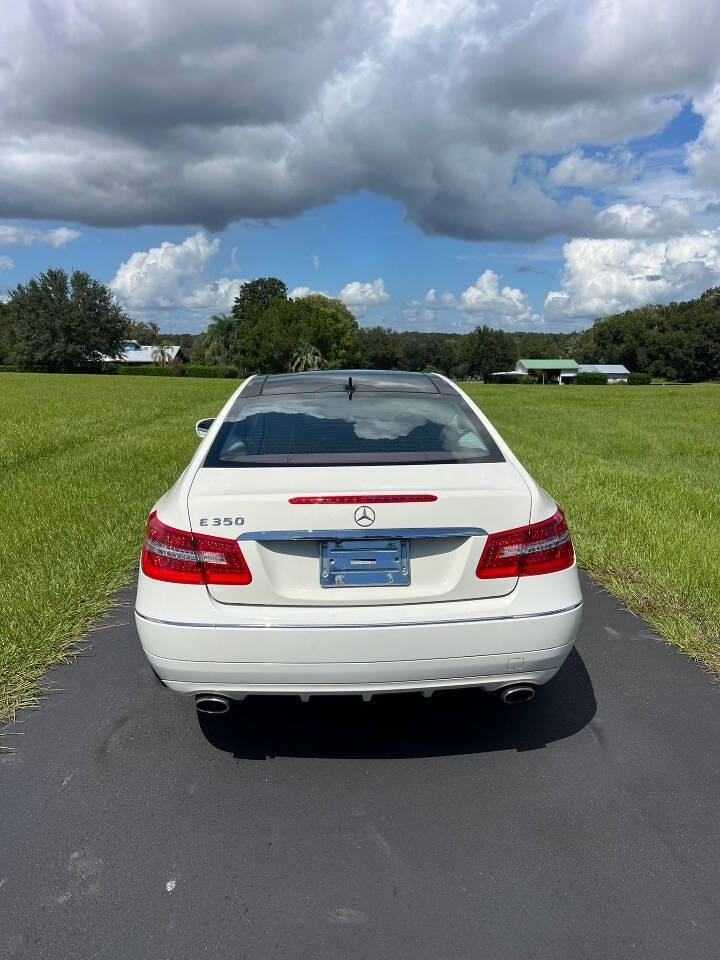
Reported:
(435, 164)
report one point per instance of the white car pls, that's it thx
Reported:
(354, 532)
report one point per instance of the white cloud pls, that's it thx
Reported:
(606, 276)
(485, 298)
(6, 263)
(323, 109)
(669, 216)
(356, 295)
(59, 237)
(482, 302)
(15, 235)
(173, 276)
(577, 169)
(297, 293)
(315, 261)
(417, 314)
(359, 294)
(703, 154)
(213, 296)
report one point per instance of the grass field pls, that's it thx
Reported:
(83, 458)
(637, 471)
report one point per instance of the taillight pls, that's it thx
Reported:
(181, 557)
(543, 547)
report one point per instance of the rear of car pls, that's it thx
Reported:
(355, 532)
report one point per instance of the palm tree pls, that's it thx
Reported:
(219, 339)
(306, 357)
(161, 354)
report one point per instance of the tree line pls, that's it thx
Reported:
(677, 341)
(61, 322)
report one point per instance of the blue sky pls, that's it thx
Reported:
(525, 178)
(358, 237)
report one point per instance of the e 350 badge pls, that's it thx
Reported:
(222, 521)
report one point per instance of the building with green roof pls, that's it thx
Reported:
(550, 369)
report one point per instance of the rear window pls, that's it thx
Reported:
(310, 430)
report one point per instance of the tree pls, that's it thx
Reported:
(379, 348)
(62, 323)
(144, 332)
(218, 342)
(189, 343)
(7, 337)
(488, 351)
(306, 357)
(677, 341)
(330, 326)
(161, 354)
(268, 339)
(257, 295)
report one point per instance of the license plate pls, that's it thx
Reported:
(364, 563)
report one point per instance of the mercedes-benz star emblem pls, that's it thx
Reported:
(364, 516)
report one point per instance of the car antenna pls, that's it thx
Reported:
(350, 388)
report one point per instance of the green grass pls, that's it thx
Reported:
(637, 471)
(83, 458)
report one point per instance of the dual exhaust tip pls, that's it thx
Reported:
(215, 703)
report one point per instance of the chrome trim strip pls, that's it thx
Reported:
(355, 626)
(365, 533)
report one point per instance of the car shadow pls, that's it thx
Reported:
(406, 724)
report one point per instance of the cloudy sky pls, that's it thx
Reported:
(435, 163)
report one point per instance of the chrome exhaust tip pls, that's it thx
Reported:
(517, 693)
(211, 703)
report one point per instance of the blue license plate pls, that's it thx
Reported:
(364, 563)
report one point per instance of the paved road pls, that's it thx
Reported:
(581, 825)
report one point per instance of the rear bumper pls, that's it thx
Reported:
(238, 659)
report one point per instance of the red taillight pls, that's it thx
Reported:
(369, 498)
(543, 547)
(181, 557)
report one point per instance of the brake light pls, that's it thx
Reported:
(181, 557)
(368, 498)
(544, 547)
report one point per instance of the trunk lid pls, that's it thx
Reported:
(248, 503)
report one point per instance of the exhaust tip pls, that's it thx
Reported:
(517, 693)
(211, 703)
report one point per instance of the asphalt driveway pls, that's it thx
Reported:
(581, 825)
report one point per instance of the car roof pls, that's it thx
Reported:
(362, 381)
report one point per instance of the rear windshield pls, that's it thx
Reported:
(330, 429)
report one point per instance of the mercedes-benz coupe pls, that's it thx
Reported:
(354, 532)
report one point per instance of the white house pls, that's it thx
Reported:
(542, 369)
(615, 372)
(565, 371)
(134, 352)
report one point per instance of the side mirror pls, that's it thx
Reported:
(202, 426)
